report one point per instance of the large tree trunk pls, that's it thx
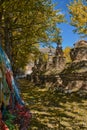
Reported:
(0, 28)
(7, 38)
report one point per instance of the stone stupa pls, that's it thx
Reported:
(74, 76)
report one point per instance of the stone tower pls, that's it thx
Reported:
(59, 59)
(79, 52)
(74, 76)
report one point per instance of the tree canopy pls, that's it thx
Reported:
(78, 12)
(26, 24)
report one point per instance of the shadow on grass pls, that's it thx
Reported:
(54, 111)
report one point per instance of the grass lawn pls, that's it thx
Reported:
(54, 111)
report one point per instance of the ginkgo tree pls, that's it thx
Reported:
(67, 54)
(78, 13)
(26, 24)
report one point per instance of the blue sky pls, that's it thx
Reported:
(69, 38)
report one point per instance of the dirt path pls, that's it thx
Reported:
(54, 111)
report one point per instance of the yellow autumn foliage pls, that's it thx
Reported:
(78, 12)
(67, 54)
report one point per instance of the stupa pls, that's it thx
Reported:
(74, 75)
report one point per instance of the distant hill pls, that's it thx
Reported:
(48, 50)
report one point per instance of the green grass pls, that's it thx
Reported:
(54, 111)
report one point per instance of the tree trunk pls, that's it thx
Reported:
(0, 28)
(7, 38)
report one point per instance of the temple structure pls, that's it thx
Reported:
(74, 76)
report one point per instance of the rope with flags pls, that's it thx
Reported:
(10, 100)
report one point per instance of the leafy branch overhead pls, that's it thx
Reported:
(78, 13)
(25, 24)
